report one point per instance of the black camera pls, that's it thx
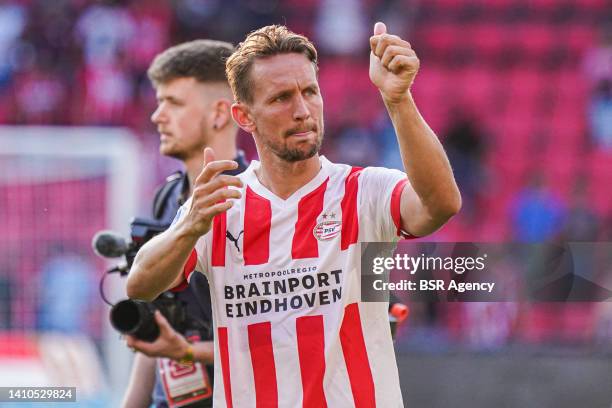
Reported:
(109, 244)
(136, 317)
(142, 230)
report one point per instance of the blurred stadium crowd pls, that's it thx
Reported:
(519, 91)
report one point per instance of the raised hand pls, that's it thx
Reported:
(393, 64)
(211, 195)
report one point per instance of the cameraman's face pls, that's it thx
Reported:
(181, 117)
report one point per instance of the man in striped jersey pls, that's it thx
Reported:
(290, 327)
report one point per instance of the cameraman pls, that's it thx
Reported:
(193, 112)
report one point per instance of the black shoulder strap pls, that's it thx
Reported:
(163, 192)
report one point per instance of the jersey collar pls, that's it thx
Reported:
(252, 181)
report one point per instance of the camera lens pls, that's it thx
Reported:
(136, 318)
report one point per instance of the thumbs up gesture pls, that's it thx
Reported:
(393, 64)
(211, 195)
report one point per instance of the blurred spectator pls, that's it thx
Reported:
(12, 23)
(192, 13)
(151, 21)
(389, 150)
(341, 27)
(536, 213)
(603, 329)
(399, 16)
(108, 92)
(357, 147)
(5, 302)
(464, 146)
(606, 228)
(83, 62)
(489, 323)
(598, 60)
(67, 288)
(582, 223)
(600, 114)
(39, 96)
(104, 29)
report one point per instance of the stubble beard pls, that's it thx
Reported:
(292, 155)
(174, 150)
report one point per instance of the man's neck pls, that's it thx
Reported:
(284, 178)
(225, 149)
(224, 146)
(193, 167)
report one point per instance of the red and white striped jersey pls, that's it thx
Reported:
(285, 288)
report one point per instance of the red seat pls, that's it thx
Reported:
(447, 6)
(431, 81)
(499, 5)
(578, 323)
(475, 85)
(579, 38)
(536, 39)
(487, 38)
(572, 90)
(568, 126)
(525, 80)
(441, 38)
(333, 80)
(595, 6)
(511, 170)
(543, 5)
(539, 323)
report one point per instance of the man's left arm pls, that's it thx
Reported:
(432, 196)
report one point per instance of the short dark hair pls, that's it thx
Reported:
(264, 42)
(203, 60)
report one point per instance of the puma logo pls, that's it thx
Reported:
(234, 240)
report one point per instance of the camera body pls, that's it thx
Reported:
(141, 230)
(136, 317)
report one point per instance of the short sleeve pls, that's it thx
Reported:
(380, 191)
(179, 214)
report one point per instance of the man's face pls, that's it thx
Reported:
(182, 109)
(287, 108)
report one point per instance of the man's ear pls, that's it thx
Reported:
(242, 116)
(221, 114)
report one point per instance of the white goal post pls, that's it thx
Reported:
(42, 154)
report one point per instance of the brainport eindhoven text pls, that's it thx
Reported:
(306, 291)
(433, 284)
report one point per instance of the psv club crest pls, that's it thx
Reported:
(328, 229)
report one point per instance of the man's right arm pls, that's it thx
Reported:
(159, 263)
